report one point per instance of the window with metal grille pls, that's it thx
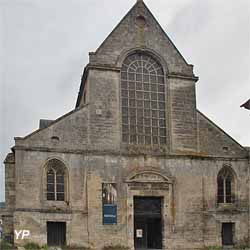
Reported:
(143, 100)
(56, 233)
(56, 179)
(225, 185)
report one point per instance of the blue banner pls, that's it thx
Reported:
(109, 214)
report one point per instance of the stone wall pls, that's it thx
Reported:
(88, 141)
(10, 189)
(192, 217)
(214, 141)
(128, 35)
(10, 198)
(67, 133)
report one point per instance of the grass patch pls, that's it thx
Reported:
(213, 248)
(5, 245)
(32, 246)
(115, 247)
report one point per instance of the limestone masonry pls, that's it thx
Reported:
(135, 164)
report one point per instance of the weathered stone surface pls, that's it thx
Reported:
(88, 142)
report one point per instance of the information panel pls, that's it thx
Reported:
(109, 214)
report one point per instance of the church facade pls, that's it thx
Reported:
(135, 164)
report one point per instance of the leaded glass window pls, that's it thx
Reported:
(56, 177)
(143, 100)
(225, 186)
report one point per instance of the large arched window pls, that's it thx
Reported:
(56, 180)
(225, 186)
(143, 100)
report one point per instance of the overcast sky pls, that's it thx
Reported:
(44, 47)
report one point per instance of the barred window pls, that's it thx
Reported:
(56, 178)
(143, 100)
(225, 186)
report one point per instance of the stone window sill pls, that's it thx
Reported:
(226, 206)
(56, 205)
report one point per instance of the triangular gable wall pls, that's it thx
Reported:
(129, 35)
(213, 141)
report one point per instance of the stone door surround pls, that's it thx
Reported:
(150, 183)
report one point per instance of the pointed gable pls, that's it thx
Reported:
(71, 127)
(139, 29)
(213, 141)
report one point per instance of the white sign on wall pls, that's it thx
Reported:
(139, 233)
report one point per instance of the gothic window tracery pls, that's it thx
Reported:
(143, 100)
(56, 180)
(225, 185)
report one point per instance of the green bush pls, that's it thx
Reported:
(213, 248)
(238, 247)
(115, 247)
(45, 247)
(72, 247)
(31, 246)
(5, 245)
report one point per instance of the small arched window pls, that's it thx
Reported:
(225, 186)
(56, 180)
(143, 100)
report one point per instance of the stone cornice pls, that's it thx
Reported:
(10, 159)
(126, 153)
(49, 211)
(182, 77)
(103, 67)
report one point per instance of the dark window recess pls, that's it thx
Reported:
(8, 238)
(220, 183)
(229, 198)
(55, 138)
(227, 233)
(109, 203)
(143, 100)
(225, 184)
(56, 233)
